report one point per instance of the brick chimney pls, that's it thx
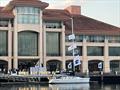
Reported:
(74, 9)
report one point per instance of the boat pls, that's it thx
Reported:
(68, 80)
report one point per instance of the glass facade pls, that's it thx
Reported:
(95, 51)
(115, 66)
(114, 51)
(77, 51)
(53, 44)
(27, 43)
(4, 23)
(95, 38)
(28, 15)
(78, 38)
(89, 38)
(53, 24)
(113, 39)
(3, 43)
(67, 39)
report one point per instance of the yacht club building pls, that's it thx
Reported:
(32, 35)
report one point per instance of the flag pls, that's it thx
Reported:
(71, 47)
(100, 65)
(70, 65)
(71, 37)
(77, 60)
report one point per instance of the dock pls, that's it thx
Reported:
(44, 79)
(19, 79)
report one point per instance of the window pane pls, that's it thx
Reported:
(53, 44)
(28, 15)
(3, 43)
(95, 51)
(114, 51)
(95, 38)
(113, 39)
(77, 51)
(27, 44)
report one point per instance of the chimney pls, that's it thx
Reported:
(74, 9)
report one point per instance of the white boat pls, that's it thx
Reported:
(68, 80)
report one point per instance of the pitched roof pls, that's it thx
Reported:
(35, 3)
(55, 14)
(5, 14)
(86, 25)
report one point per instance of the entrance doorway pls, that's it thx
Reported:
(3, 66)
(54, 65)
(93, 66)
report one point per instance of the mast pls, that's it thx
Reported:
(73, 44)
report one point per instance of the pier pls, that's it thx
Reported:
(6, 79)
(20, 79)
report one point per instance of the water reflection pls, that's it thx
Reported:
(62, 87)
(69, 87)
(25, 87)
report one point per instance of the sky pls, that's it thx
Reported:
(107, 11)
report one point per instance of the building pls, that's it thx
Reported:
(30, 34)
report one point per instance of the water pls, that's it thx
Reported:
(62, 87)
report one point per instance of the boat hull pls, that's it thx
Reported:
(69, 81)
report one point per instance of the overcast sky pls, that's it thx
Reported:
(107, 11)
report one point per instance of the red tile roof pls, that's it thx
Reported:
(55, 14)
(86, 25)
(35, 3)
(82, 24)
(5, 14)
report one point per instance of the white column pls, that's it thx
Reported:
(9, 45)
(106, 58)
(15, 43)
(44, 46)
(84, 61)
(40, 52)
(63, 47)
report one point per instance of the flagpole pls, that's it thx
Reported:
(73, 43)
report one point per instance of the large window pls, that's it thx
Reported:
(4, 23)
(28, 15)
(3, 43)
(53, 24)
(114, 51)
(27, 43)
(115, 66)
(67, 39)
(113, 39)
(77, 51)
(53, 44)
(78, 38)
(95, 51)
(95, 38)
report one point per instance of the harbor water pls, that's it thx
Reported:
(93, 86)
